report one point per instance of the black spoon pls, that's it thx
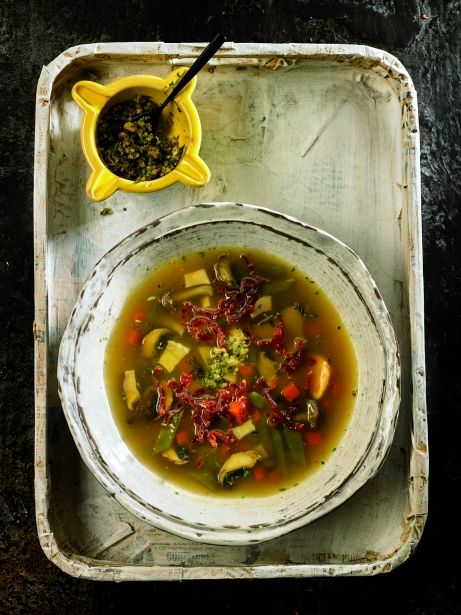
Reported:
(207, 53)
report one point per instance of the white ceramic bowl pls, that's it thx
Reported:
(344, 278)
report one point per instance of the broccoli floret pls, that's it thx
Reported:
(223, 362)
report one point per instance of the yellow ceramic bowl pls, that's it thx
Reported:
(95, 99)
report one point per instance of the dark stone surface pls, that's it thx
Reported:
(426, 36)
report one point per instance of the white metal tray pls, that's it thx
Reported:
(326, 133)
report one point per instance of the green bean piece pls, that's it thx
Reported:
(264, 433)
(277, 287)
(207, 478)
(208, 473)
(258, 400)
(252, 355)
(295, 446)
(279, 453)
(167, 433)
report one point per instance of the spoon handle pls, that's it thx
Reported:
(199, 63)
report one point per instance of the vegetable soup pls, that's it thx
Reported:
(231, 373)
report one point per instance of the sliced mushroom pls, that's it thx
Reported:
(130, 388)
(238, 461)
(262, 305)
(310, 415)
(151, 340)
(170, 322)
(173, 456)
(313, 413)
(167, 301)
(223, 271)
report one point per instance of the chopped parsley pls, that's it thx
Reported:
(302, 309)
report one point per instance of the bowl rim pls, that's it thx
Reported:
(193, 216)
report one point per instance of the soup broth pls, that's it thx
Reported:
(230, 373)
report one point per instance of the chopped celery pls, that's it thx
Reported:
(166, 434)
(196, 278)
(173, 354)
(244, 429)
(295, 446)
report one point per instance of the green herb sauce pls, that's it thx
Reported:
(132, 149)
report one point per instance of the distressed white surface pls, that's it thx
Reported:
(326, 133)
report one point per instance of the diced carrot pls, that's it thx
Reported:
(185, 366)
(258, 472)
(234, 407)
(238, 410)
(139, 316)
(242, 445)
(312, 328)
(256, 416)
(134, 338)
(247, 370)
(224, 451)
(290, 392)
(275, 476)
(182, 437)
(313, 438)
(336, 388)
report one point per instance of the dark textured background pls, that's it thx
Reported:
(426, 36)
